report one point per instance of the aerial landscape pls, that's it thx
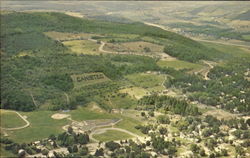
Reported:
(125, 79)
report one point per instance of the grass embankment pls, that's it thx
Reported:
(110, 135)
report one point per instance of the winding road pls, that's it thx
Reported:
(17, 128)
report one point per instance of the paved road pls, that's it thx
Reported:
(17, 128)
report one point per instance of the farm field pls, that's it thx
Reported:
(9, 119)
(111, 135)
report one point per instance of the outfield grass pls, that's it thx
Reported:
(146, 80)
(179, 64)
(83, 46)
(110, 135)
(84, 113)
(41, 126)
(9, 119)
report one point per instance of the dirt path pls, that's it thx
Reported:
(17, 128)
(103, 130)
(67, 97)
(32, 97)
(207, 71)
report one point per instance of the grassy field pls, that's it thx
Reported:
(138, 47)
(41, 126)
(146, 80)
(129, 124)
(110, 135)
(10, 119)
(234, 51)
(88, 79)
(83, 47)
(135, 92)
(123, 102)
(179, 64)
(84, 113)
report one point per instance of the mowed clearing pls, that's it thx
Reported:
(83, 47)
(136, 47)
(135, 92)
(10, 119)
(82, 80)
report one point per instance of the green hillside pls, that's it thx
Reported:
(36, 69)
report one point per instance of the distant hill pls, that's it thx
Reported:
(243, 16)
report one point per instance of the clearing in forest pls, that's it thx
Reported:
(134, 47)
(88, 79)
(135, 92)
(83, 47)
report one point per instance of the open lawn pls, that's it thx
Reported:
(110, 135)
(83, 46)
(179, 64)
(84, 113)
(135, 92)
(41, 126)
(9, 119)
